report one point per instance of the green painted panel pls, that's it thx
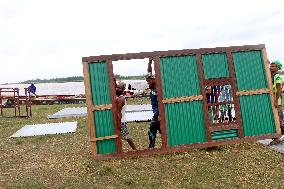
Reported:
(99, 83)
(179, 76)
(185, 123)
(257, 116)
(104, 127)
(249, 69)
(226, 134)
(215, 66)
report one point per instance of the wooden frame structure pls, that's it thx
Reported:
(157, 55)
(17, 101)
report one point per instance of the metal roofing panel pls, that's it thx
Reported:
(99, 83)
(215, 66)
(139, 116)
(179, 76)
(104, 127)
(76, 112)
(184, 123)
(138, 108)
(277, 147)
(69, 112)
(249, 70)
(45, 129)
(257, 117)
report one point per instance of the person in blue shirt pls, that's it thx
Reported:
(155, 123)
(32, 89)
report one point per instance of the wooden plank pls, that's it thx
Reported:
(224, 127)
(203, 93)
(234, 93)
(182, 99)
(142, 55)
(113, 107)
(253, 92)
(217, 81)
(269, 82)
(162, 115)
(101, 107)
(104, 138)
(89, 103)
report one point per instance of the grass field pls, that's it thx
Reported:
(65, 161)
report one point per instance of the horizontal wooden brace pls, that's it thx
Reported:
(101, 107)
(104, 138)
(253, 92)
(182, 99)
(224, 127)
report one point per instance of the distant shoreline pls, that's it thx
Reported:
(72, 79)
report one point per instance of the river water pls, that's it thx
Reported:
(69, 88)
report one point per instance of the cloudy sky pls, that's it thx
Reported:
(47, 39)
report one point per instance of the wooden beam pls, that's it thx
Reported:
(113, 107)
(162, 115)
(269, 83)
(234, 93)
(89, 103)
(142, 55)
(253, 92)
(182, 99)
(224, 127)
(101, 107)
(203, 93)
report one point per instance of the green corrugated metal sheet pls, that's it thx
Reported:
(257, 117)
(104, 127)
(100, 95)
(99, 83)
(226, 134)
(179, 76)
(184, 123)
(249, 70)
(215, 66)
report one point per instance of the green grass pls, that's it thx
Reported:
(65, 161)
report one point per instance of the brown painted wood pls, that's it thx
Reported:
(234, 93)
(182, 99)
(203, 93)
(142, 55)
(253, 92)
(113, 108)
(271, 94)
(160, 104)
(89, 107)
(183, 148)
(102, 107)
(218, 81)
(224, 127)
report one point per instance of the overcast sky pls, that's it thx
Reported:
(47, 39)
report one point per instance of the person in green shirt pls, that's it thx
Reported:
(277, 82)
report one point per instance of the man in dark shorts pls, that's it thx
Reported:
(155, 123)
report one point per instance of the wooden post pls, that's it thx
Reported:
(114, 109)
(234, 94)
(269, 83)
(160, 103)
(91, 122)
(203, 93)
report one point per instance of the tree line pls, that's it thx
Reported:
(78, 79)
